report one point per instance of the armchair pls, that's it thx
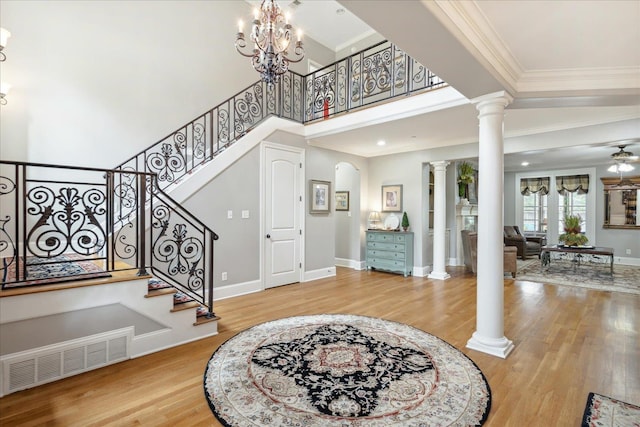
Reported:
(470, 247)
(525, 245)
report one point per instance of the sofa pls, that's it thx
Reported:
(470, 249)
(526, 245)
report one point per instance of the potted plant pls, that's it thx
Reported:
(465, 177)
(572, 235)
(405, 221)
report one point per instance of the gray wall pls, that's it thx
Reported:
(348, 224)
(236, 189)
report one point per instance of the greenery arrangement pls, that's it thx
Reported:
(405, 221)
(465, 177)
(572, 235)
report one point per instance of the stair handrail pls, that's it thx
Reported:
(372, 75)
(57, 215)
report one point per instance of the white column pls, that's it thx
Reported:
(439, 221)
(489, 335)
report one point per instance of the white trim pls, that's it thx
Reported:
(350, 263)
(421, 271)
(439, 275)
(500, 347)
(237, 289)
(320, 273)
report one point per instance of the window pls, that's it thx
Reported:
(534, 212)
(572, 204)
(572, 200)
(534, 203)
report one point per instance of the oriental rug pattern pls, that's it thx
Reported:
(343, 370)
(625, 278)
(40, 271)
(603, 411)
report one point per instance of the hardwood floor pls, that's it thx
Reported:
(568, 342)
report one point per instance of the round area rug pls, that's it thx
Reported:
(343, 370)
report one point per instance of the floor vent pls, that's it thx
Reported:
(45, 364)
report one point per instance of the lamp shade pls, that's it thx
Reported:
(4, 36)
(374, 219)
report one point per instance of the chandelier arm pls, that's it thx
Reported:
(240, 44)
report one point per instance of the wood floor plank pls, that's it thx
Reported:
(568, 342)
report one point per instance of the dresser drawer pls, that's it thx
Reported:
(385, 246)
(390, 250)
(375, 253)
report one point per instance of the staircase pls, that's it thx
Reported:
(126, 220)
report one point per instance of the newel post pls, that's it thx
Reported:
(142, 224)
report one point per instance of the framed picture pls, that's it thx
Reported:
(342, 200)
(392, 198)
(320, 195)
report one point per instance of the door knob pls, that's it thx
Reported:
(268, 236)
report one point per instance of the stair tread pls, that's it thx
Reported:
(159, 292)
(185, 306)
(202, 320)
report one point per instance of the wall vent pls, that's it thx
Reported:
(31, 368)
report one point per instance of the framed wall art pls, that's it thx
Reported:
(392, 198)
(320, 196)
(342, 200)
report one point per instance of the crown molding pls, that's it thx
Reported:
(567, 80)
(471, 27)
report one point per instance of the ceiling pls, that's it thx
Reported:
(568, 63)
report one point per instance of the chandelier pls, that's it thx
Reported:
(271, 38)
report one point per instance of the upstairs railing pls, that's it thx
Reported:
(373, 75)
(64, 223)
(56, 216)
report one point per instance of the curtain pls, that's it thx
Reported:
(533, 185)
(572, 184)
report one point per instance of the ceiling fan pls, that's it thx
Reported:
(621, 160)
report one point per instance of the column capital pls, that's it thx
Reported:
(439, 165)
(501, 98)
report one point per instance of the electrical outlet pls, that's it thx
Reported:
(224, 275)
(229, 214)
(245, 214)
(628, 251)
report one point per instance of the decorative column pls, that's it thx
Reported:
(489, 335)
(439, 221)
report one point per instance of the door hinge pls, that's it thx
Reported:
(301, 232)
(300, 165)
(300, 265)
(300, 198)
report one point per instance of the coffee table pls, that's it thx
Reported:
(577, 254)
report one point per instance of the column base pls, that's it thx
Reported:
(439, 275)
(500, 347)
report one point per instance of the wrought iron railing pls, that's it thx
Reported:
(62, 222)
(373, 75)
(53, 216)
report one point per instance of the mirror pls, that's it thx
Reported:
(621, 198)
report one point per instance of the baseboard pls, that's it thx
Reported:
(421, 271)
(350, 263)
(237, 289)
(319, 274)
(626, 260)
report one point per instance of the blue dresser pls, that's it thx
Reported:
(390, 251)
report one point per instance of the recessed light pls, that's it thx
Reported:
(525, 163)
(381, 143)
(340, 11)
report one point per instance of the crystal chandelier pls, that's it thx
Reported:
(271, 37)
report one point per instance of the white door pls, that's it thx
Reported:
(282, 216)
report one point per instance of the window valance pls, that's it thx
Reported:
(534, 185)
(572, 184)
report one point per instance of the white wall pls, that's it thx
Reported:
(95, 82)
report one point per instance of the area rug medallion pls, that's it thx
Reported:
(343, 370)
